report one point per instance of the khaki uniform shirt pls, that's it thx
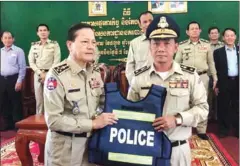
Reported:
(138, 56)
(216, 46)
(72, 104)
(72, 96)
(44, 56)
(183, 87)
(198, 55)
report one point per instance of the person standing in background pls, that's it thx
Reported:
(197, 52)
(42, 56)
(227, 89)
(213, 34)
(138, 54)
(13, 71)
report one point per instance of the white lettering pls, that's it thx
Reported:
(113, 133)
(142, 138)
(150, 138)
(141, 141)
(135, 137)
(122, 139)
(129, 141)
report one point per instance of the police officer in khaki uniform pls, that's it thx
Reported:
(42, 56)
(213, 34)
(186, 101)
(138, 54)
(197, 52)
(73, 95)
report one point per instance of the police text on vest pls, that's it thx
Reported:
(123, 136)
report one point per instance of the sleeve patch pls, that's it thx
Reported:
(51, 83)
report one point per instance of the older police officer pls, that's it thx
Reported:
(186, 101)
(73, 92)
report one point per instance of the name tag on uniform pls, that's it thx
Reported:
(187, 49)
(13, 55)
(146, 87)
(73, 90)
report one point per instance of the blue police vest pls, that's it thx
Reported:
(133, 140)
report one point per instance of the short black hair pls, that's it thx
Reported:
(143, 13)
(7, 32)
(231, 29)
(73, 29)
(212, 28)
(42, 25)
(193, 22)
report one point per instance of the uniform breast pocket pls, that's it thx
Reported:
(74, 95)
(36, 54)
(203, 54)
(179, 98)
(12, 59)
(96, 92)
(49, 51)
(95, 97)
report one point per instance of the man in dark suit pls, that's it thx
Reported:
(227, 65)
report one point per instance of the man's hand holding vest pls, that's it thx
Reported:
(103, 120)
(164, 123)
(42, 77)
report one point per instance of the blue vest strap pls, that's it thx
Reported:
(111, 87)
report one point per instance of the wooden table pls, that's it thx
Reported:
(33, 128)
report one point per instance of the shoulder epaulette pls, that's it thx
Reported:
(203, 40)
(33, 43)
(188, 69)
(220, 43)
(61, 68)
(141, 70)
(53, 41)
(184, 41)
(96, 68)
